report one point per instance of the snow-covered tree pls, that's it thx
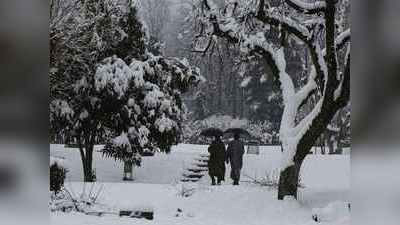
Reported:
(222, 92)
(319, 26)
(200, 110)
(263, 96)
(104, 79)
(156, 14)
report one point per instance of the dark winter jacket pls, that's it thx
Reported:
(216, 164)
(235, 154)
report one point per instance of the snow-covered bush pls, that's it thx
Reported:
(83, 202)
(270, 179)
(260, 130)
(152, 110)
(57, 174)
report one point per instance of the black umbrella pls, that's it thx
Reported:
(239, 131)
(212, 132)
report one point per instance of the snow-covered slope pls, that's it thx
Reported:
(209, 205)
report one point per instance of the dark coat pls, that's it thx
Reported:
(235, 154)
(216, 164)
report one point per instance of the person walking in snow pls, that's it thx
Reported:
(216, 163)
(234, 156)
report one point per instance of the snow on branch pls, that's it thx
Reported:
(289, 141)
(342, 39)
(342, 92)
(290, 133)
(209, 4)
(115, 74)
(230, 27)
(252, 41)
(308, 89)
(307, 7)
(274, 18)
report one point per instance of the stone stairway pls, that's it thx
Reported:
(197, 169)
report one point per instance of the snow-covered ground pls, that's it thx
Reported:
(161, 168)
(326, 179)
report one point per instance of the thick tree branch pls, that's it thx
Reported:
(307, 8)
(273, 18)
(331, 53)
(300, 32)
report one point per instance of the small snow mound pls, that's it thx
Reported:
(289, 203)
(334, 211)
(139, 207)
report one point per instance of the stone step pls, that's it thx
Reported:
(193, 175)
(202, 160)
(201, 165)
(190, 179)
(197, 170)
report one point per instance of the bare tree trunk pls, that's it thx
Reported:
(234, 98)
(87, 159)
(330, 141)
(88, 170)
(323, 141)
(241, 103)
(289, 181)
(220, 74)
